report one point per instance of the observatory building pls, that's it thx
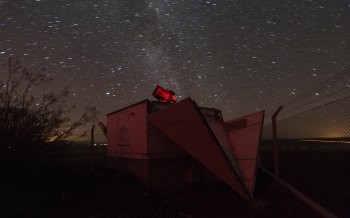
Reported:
(169, 144)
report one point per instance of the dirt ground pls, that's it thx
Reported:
(32, 189)
(324, 176)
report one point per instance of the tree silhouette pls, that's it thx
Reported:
(28, 118)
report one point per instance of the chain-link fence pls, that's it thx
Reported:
(327, 121)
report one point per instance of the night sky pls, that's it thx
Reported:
(238, 56)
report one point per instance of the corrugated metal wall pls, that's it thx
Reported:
(127, 132)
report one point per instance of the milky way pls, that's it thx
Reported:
(238, 56)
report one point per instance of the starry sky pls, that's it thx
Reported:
(238, 56)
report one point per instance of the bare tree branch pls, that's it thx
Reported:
(29, 119)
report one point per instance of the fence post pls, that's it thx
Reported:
(275, 143)
(92, 154)
(92, 135)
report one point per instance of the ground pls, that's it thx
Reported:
(70, 189)
(322, 175)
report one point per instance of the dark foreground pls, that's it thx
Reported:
(324, 176)
(69, 189)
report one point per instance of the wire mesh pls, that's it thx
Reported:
(330, 120)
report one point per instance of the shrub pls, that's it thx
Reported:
(27, 118)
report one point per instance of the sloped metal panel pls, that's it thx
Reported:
(160, 146)
(244, 136)
(184, 124)
(221, 135)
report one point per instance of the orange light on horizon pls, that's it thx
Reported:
(325, 141)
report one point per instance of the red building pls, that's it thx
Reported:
(172, 145)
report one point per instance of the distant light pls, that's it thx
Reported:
(108, 93)
(327, 141)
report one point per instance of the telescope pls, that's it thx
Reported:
(164, 95)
